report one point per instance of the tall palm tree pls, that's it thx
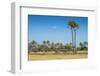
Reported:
(73, 26)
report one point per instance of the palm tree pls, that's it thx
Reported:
(34, 44)
(85, 43)
(57, 45)
(52, 46)
(44, 42)
(73, 26)
(81, 45)
(48, 43)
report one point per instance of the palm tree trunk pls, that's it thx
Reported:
(72, 40)
(75, 40)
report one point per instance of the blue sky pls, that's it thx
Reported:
(54, 28)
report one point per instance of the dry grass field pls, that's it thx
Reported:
(53, 56)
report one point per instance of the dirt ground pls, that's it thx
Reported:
(79, 55)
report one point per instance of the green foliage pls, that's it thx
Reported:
(72, 24)
(68, 46)
(83, 45)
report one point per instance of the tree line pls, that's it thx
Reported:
(48, 46)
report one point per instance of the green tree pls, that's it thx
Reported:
(44, 42)
(34, 45)
(33, 42)
(52, 46)
(48, 42)
(83, 45)
(68, 47)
